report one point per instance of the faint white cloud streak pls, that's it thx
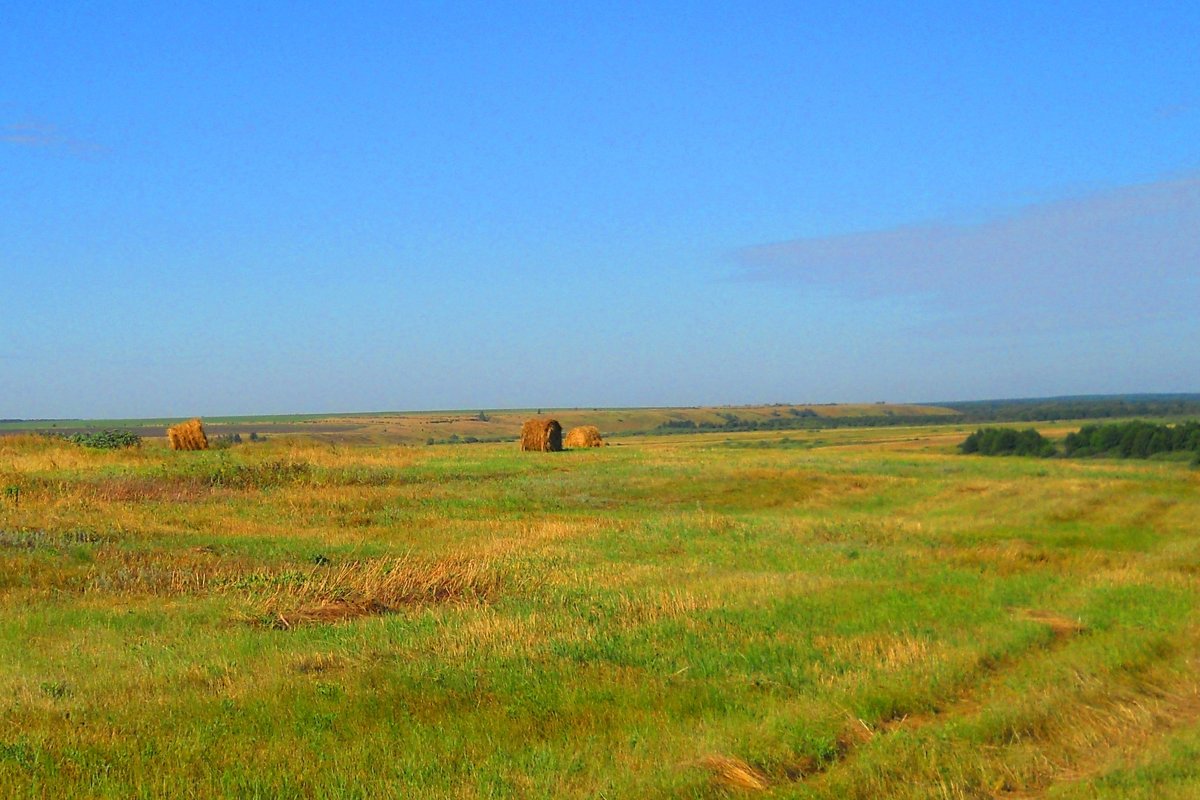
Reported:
(49, 137)
(1118, 257)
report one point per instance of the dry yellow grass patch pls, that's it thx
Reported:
(882, 650)
(1009, 557)
(1096, 729)
(668, 605)
(485, 630)
(316, 663)
(357, 589)
(548, 538)
(24, 454)
(1060, 626)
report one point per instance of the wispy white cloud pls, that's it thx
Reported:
(1118, 257)
(1173, 110)
(49, 137)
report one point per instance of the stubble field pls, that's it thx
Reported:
(854, 613)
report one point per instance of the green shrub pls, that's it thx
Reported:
(1133, 439)
(108, 439)
(224, 441)
(1007, 442)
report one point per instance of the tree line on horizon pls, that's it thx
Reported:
(1131, 439)
(1037, 410)
(1053, 409)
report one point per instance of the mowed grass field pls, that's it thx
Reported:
(855, 613)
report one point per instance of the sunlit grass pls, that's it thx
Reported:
(849, 613)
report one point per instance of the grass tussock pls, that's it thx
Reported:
(364, 588)
(318, 663)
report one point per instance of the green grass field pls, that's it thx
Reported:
(856, 613)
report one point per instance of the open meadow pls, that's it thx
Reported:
(850, 613)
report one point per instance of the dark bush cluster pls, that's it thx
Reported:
(1007, 442)
(1134, 439)
(109, 439)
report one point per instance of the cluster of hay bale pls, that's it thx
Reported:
(188, 436)
(545, 435)
(584, 436)
(542, 435)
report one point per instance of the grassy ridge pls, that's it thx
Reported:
(842, 613)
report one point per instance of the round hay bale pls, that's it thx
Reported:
(541, 435)
(584, 436)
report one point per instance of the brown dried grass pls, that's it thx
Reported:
(357, 589)
(1060, 626)
(187, 436)
(584, 436)
(541, 435)
(732, 773)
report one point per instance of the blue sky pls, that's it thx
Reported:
(206, 209)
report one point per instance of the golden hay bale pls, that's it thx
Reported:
(188, 436)
(542, 435)
(584, 436)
